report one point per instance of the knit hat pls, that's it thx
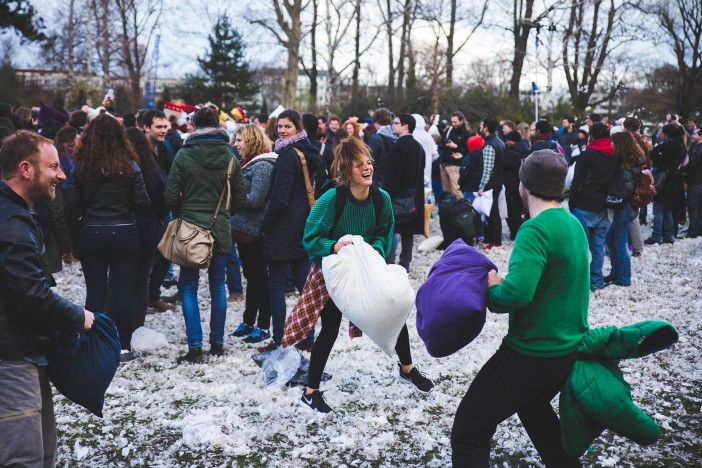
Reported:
(475, 143)
(543, 173)
(514, 136)
(630, 123)
(585, 129)
(616, 129)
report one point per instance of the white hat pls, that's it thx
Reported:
(616, 129)
(585, 129)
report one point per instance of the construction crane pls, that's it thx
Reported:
(150, 95)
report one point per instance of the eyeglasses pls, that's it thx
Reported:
(397, 123)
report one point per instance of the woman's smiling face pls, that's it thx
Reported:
(362, 173)
(286, 129)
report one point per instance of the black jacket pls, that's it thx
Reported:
(405, 170)
(29, 310)
(471, 171)
(511, 164)
(460, 137)
(495, 181)
(110, 201)
(284, 223)
(593, 172)
(694, 166)
(668, 156)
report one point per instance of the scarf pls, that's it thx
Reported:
(603, 145)
(280, 143)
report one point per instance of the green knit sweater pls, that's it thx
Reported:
(358, 218)
(547, 289)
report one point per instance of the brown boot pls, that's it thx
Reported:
(161, 306)
(174, 299)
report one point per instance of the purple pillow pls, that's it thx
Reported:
(451, 303)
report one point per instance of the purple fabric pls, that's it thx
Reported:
(47, 112)
(451, 303)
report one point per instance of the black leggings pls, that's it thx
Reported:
(331, 320)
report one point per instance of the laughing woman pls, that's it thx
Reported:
(354, 169)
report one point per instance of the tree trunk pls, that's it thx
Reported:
(449, 46)
(391, 59)
(521, 37)
(403, 45)
(357, 53)
(313, 46)
(294, 9)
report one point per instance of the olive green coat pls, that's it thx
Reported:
(196, 180)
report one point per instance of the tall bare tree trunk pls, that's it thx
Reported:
(403, 45)
(520, 31)
(314, 89)
(357, 53)
(391, 59)
(449, 46)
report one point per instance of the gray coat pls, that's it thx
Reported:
(257, 178)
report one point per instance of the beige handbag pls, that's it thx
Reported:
(188, 245)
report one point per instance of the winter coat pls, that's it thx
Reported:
(108, 201)
(380, 144)
(29, 310)
(257, 179)
(596, 167)
(289, 206)
(511, 164)
(694, 166)
(471, 171)
(198, 176)
(458, 136)
(667, 157)
(405, 170)
(596, 396)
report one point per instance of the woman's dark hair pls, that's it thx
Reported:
(4, 133)
(309, 121)
(293, 116)
(150, 169)
(129, 120)
(104, 150)
(50, 128)
(599, 130)
(673, 130)
(629, 151)
(205, 117)
(339, 135)
(63, 136)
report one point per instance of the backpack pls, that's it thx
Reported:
(458, 219)
(642, 195)
(342, 194)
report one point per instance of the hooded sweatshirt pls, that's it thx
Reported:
(596, 166)
(430, 150)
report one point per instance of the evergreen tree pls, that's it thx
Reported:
(21, 16)
(225, 66)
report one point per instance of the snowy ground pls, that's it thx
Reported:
(158, 413)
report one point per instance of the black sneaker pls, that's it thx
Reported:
(416, 378)
(242, 330)
(610, 279)
(315, 400)
(193, 356)
(217, 350)
(651, 241)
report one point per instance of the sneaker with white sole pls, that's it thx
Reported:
(315, 400)
(257, 336)
(416, 378)
(242, 330)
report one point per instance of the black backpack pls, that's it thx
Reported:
(458, 219)
(342, 194)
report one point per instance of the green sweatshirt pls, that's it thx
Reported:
(547, 289)
(357, 218)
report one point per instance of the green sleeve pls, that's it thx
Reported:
(526, 266)
(384, 228)
(317, 239)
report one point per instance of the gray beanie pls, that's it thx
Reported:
(543, 172)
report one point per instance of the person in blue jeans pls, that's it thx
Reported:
(106, 187)
(204, 185)
(596, 166)
(631, 166)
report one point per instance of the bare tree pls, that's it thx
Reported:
(288, 32)
(680, 29)
(589, 40)
(137, 21)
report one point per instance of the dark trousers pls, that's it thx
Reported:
(493, 230)
(114, 249)
(256, 274)
(512, 383)
(407, 242)
(514, 211)
(159, 270)
(331, 320)
(278, 274)
(141, 289)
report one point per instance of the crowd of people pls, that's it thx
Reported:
(102, 186)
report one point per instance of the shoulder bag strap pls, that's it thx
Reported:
(228, 189)
(308, 185)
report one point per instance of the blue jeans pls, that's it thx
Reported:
(407, 242)
(234, 271)
(618, 245)
(113, 249)
(662, 221)
(595, 225)
(187, 285)
(278, 272)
